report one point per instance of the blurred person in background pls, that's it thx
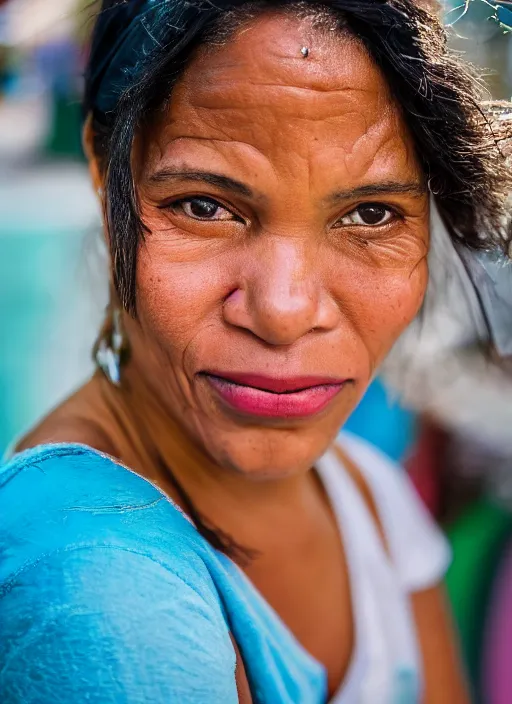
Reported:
(269, 246)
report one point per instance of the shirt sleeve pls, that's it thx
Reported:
(108, 625)
(419, 549)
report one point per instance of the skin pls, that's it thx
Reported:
(283, 280)
(290, 290)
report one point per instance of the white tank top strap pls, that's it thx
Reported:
(386, 665)
(419, 550)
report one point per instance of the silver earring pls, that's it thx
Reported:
(305, 52)
(108, 352)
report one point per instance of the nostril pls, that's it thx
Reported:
(231, 294)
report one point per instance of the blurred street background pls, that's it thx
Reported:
(54, 287)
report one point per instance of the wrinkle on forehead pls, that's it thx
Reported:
(258, 91)
(266, 60)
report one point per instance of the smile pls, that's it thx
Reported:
(267, 397)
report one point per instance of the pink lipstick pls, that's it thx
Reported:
(268, 397)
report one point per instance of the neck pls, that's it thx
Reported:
(252, 511)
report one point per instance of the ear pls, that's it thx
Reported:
(88, 146)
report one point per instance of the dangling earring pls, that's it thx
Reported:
(110, 347)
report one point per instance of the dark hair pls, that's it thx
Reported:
(460, 139)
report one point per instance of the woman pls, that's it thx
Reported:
(266, 173)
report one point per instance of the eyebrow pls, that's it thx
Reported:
(225, 183)
(413, 188)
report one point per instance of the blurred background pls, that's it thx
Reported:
(54, 287)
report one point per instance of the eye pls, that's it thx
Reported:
(201, 208)
(368, 215)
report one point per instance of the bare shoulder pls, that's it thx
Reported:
(79, 419)
(56, 429)
(445, 681)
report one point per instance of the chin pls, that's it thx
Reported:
(265, 453)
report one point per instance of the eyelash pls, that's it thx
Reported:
(179, 205)
(392, 212)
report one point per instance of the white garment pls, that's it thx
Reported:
(386, 665)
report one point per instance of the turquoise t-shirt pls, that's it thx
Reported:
(108, 594)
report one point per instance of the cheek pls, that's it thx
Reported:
(177, 300)
(382, 303)
(400, 300)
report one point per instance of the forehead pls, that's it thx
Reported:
(259, 90)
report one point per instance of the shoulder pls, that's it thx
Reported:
(58, 498)
(101, 577)
(82, 418)
(64, 471)
(417, 545)
(58, 430)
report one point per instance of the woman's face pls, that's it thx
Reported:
(288, 222)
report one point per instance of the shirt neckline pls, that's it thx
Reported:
(331, 471)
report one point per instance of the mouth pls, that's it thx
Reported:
(269, 397)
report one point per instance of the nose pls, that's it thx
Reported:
(281, 296)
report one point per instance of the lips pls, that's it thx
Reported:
(269, 397)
